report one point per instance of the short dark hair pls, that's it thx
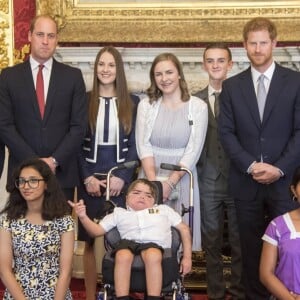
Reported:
(54, 205)
(258, 24)
(36, 18)
(151, 185)
(296, 177)
(218, 45)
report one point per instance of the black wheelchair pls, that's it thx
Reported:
(172, 284)
(172, 280)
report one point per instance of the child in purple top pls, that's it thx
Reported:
(280, 258)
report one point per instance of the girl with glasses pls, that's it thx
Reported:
(36, 236)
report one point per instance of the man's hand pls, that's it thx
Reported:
(50, 162)
(265, 173)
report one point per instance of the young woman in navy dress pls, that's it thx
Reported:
(110, 141)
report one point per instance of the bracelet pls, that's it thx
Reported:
(170, 184)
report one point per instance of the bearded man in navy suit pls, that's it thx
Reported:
(56, 134)
(263, 149)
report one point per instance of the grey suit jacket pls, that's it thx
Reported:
(213, 160)
(59, 134)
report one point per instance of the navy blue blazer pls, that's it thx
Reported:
(245, 138)
(126, 149)
(59, 133)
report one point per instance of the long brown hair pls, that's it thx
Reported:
(124, 102)
(153, 91)
(54, 204)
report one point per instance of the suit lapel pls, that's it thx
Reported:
(249, 96)
(54, 76)
(274, 91)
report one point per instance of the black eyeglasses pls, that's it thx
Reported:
(32, 182)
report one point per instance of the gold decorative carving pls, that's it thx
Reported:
(4, 59)
(4, 6)
(19, 55)
(180, 22)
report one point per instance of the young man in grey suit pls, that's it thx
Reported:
(259, 126)
(52, 129)
(213, 167)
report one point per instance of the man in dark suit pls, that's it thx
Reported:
(213, 167)
(259, 128)
(53, 129)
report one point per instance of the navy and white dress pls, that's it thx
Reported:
(103, 149)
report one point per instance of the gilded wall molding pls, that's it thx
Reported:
(4, 27)
(19, 55)
(4, 7)
(183, 22)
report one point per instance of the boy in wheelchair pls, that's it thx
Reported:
(145, 229)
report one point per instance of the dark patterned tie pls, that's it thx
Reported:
(40, 90)
(217, 104)
(261, 95)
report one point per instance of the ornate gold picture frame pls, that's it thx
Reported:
(96, 21)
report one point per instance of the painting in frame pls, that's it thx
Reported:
(169, 21)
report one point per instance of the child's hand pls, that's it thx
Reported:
(185, 265)
(79, 208)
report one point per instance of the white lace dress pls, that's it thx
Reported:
(170, 141)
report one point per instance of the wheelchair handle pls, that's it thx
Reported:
(190, 210)
(125, 165)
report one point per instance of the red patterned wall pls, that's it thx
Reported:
(24, 11)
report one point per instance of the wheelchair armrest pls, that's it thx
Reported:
(176, 240)
(111, 238)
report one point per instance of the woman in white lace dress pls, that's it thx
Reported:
(171, 127)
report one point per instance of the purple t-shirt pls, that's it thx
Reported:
(282, 234)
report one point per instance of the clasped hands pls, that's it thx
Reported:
(265, 173)
(93, 185)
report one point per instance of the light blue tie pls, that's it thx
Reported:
(261, 95)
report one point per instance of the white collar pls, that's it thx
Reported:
(268, 73)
